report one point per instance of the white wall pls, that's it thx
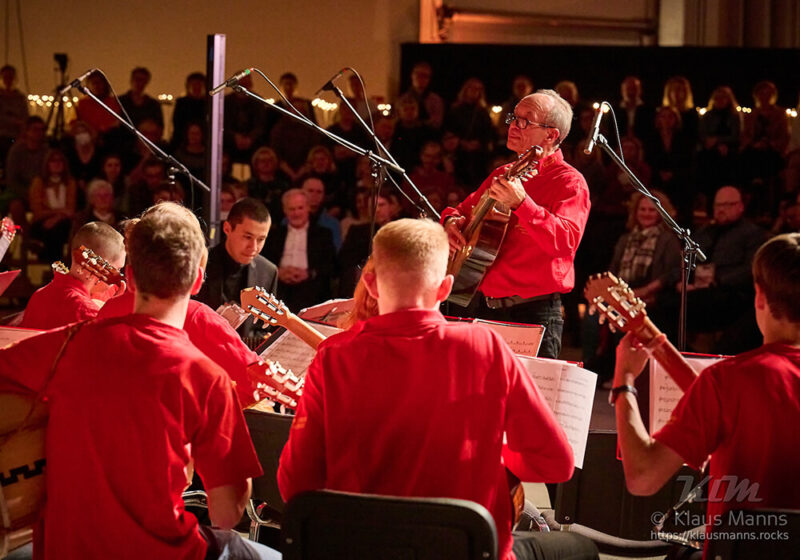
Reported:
(312, 38)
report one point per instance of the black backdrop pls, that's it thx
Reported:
(598, 71)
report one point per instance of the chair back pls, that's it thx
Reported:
(269, 432)
(337, 525)
(750, 533)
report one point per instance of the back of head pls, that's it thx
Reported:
(166, 247)
(776, 271)
(101, 238)
(411, 255)
(248, 208)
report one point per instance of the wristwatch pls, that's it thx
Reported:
(615, 392)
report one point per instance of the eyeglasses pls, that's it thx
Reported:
(727, 204)
(523, 123)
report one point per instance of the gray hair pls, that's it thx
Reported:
(97, 184)
(559, 115)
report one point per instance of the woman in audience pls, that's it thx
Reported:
(52, 199)
(468, 118)
(83, 154)
(320, 164)
(192, 152)
(100, 194)
(111, 171)
(718, 142)
(268, 182)
(670, 158)
(191, 108)
(678, 95)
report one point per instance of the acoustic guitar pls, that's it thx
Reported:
(485, 233)
(625, 312)
(7, 232)
(273, 382)
(266, 307)
(98, 266)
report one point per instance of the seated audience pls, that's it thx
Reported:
(53, 201)
(718, 142)
(268, 182)
(68, 297)
(244, 122)
(83, 154)
(315, 196)
(23, 164)
(290, 139)
(189, 108)
(100, 195)
(468, 118)
(431, 105)
(475, 410)
(356, 246)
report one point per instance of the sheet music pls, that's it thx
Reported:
(665, 394)
(6, 278)
(327, 313)
(10, 335)
(569, 391)
(292, 353)
(523, 340)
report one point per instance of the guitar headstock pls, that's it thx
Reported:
(59, 267)
(273, 382)
(613, 298)
(264, 306)
(7, 229)
(526, 165)
(97, 265)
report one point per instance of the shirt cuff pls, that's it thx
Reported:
(528, 210)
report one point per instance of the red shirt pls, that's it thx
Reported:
(745, 413)
(63, 301)
(537, 255)
(131, 402)
(407, 404)
(212, 334)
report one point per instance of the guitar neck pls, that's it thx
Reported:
(668, 356)
(302, 330)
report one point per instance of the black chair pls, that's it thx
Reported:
(337, 525)
(269, 432)
(596, 503)
(750, 533)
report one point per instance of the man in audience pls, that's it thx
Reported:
(244, 122)
(743, 411)
(13, 110)
(356, 247)
(140, 194)
(314, 188)
(458, 398)
(137, 103)
(305, 253)
(68, 297)
(100, 196)
(237, 264)
(722, 288)
(139, 377)
(431, 105)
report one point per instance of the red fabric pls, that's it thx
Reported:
(131, 401)
(212, 334)
(96, 116)
(428, 421)
(745, 413)
(63, 301)
(537, 255)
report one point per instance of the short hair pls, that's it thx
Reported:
(142, 70)
(776, 271)
(248, 208)
(293, 192)
(411, 253)
(262, 151)
(196, 76)
(101, 238)
(559, 115)
(97, 184)
(8, 68)
(288, 76)
(166, 246)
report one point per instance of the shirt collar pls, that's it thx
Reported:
(404, 320)
(70, 281)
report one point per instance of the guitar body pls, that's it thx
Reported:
(470, 264)
(22, 462)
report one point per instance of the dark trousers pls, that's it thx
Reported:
(546, 311)
(555, 545)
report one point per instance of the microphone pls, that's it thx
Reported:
(77, 81)
(329, 84)
(231, 82)
(595, 130)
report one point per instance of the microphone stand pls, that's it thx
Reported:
(172, 163)
(691, 251)
(383, 149)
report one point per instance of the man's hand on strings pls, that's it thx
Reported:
(509, 192)
(452, 227)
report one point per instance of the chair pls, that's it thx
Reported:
(750, 533)
(269, 432)
(596, 503)
(337, 525)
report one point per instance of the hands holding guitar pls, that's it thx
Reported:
(453, 226)
(507, 191)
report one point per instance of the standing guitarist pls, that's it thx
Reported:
(548, 215)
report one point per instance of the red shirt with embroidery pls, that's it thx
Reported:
(537, 255)
(745, 413)
(407, 404)
(131, 402)
(212, 334)
(63, 301)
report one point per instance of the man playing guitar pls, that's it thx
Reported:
(548, 216)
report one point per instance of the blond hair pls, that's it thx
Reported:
(101, 238)
(411, 254)
(166, 247)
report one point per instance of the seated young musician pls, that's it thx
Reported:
(133, 404)
(447, 391)
(207, 330)
(68, 297)
(743, 412)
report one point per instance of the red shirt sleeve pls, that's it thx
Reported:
(221, 444)
(536, 449)
(695, 428)
(26, 365)
(302, 464)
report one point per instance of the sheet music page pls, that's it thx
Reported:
(292, 353)
(327, 313)
(569, 390)
(665, 394)
(522, 339)
(10, 335)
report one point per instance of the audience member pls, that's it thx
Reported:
(359, 213)
(678, 95)
(314, 189)
(138, 104)
(192, 152)
(100, 195)
(52, 200)
(634, 116)
(191, 108)
(244, 122)
(268, 182)
(92, 113)
(290, 139)
(357, 246)
(83, 154)
(305, 255)
(23, 163)
(140, 194)
(410, 134)
(111, 171)
(468, 118)
(718, 142)
(13, 110)
(347, 127)
(320, 164)
(431, 105)
(670, 158)
(429, 177)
